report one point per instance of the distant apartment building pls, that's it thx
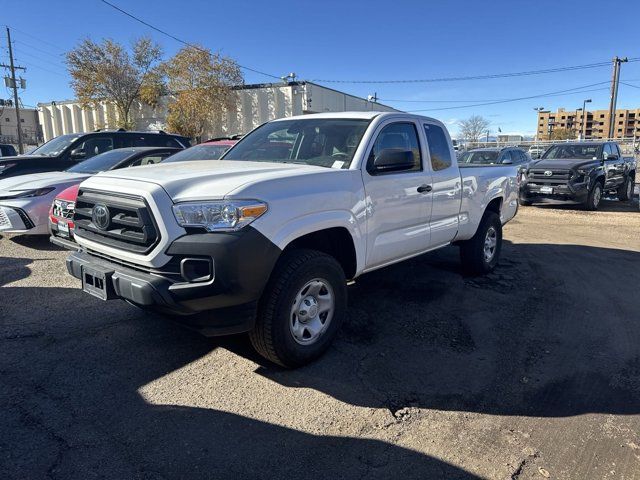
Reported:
(593, 125)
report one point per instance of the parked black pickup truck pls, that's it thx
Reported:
(579, 173)
(65, 151)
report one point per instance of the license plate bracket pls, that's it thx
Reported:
(97, 282)
(63, 229)
(546, 189)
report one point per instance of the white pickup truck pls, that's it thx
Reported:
(265, 240)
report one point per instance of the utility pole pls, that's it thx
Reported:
(14, 83)
(614, 93)
(583, 125)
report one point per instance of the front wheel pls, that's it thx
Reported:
(480, 254)
(301, 309)
(594, 197)
(625, 192)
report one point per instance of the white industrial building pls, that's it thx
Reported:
(255, 105)
(31, 133)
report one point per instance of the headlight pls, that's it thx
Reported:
(38, 192)
(219, 216)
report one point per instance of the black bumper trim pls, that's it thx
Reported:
(243, 262)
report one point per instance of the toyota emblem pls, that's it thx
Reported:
(100, 216)
(548, 173)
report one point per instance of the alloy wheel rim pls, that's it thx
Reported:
(312, 311)
(490, 244)
(597, 194)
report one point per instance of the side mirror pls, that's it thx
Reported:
(78, 154)
(393, 160)
(507, 161)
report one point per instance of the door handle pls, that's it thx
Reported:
(424, 188)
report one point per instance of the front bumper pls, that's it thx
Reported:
(241, 263)
(563, 192)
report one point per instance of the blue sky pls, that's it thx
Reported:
(348, 40)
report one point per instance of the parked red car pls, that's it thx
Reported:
(61, 218)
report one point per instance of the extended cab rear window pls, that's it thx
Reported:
(438, 147)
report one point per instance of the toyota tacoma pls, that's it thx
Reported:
(580, 173)
(266, 239)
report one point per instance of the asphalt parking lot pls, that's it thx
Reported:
(531, 372)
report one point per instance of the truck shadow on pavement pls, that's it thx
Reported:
(70, 405)
(606, 205)
(552, 332)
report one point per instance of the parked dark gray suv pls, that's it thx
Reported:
(65, 151)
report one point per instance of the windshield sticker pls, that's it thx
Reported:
(337, 164)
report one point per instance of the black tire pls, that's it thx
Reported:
(594, 197)
(472, 251)
(272, 335)
(625, 192)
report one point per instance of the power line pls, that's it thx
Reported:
(38, 49)
(179, 40)
(476, 101)
(22, 52)
(480, 77)
(57, 47)
(629, 85)
(569, 91)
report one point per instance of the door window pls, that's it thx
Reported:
(506, 156)
(150, 159)
(95, 145)
(399, 136)
(607, 151)
(438, 147)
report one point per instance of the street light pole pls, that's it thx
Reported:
(537, 109)
(583, 126)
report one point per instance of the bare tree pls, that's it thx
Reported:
(562, 134)
(473, 128)
(108, 72)
(200, 84)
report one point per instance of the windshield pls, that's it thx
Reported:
(199, 152)
(325, 142)
(479, 157)
(55, 146)
(100, 163)
(587, 152)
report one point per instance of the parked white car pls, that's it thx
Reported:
(25, 200)
(267, 237)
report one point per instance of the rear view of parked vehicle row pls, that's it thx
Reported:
(265, 239)
(580, 173)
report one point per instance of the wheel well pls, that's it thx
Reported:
(495, 205)
(336, 242)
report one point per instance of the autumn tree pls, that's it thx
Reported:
(199, 83)
(108, 72)
(473, 128)
(562, 134)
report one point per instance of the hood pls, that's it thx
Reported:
(564, 163)
(21, 158)
(40, 180)
(207, 179)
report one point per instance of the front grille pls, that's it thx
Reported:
(63, 209)
(4, 220)
(127, 222)
(537, 175)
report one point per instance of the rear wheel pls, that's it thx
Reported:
(301, 309)
(481, 253)
(625, 192)
(594, 197)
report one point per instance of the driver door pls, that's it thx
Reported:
(398, 202)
